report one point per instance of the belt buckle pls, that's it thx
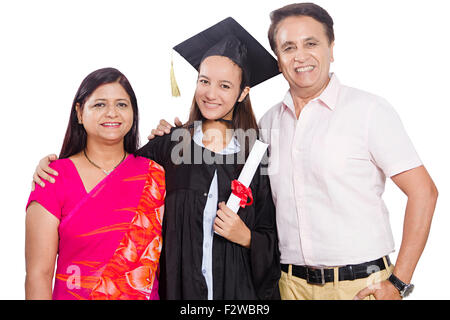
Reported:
(322, 276)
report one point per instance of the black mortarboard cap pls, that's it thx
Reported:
(229, 39)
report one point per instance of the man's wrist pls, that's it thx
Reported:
(405, 289)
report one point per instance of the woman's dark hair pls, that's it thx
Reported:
(76, 136)
(243, 119)
(300, 9)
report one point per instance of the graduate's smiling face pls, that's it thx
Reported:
(218, 87)
(107, 114)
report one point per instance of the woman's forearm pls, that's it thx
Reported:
(38, 287)
(41, 248)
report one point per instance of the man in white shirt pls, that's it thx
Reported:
(331, 149)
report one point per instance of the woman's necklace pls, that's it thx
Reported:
(107, 172)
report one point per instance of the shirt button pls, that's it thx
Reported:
(204, 271)
(210, 196)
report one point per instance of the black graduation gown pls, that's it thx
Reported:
(238, 272)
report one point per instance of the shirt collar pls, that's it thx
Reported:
(328, 97)
(232, 147)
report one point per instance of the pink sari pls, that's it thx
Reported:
(110, 238)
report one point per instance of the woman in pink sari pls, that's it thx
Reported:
(101, 219)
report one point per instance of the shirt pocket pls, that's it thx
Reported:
(359, 165)
(346, 156)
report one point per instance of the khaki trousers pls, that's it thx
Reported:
(294, 288)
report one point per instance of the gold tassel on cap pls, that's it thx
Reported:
(173, 81)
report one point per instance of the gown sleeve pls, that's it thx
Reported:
(264, 252)
(159, 148)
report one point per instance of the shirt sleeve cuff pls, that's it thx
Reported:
(400, 168)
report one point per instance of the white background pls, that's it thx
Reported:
(397, 49)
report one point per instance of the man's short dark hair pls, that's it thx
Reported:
(300, 9)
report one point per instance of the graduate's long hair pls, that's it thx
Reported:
(243, 119)
(76, 137)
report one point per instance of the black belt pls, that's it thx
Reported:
(349, 272)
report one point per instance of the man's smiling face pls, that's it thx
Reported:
(304, 54)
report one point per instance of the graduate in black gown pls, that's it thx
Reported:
(210, 252)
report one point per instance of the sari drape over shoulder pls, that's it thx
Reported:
(110, 238)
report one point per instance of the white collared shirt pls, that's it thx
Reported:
(209, 213)
(328, 171)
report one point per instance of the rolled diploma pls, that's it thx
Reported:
(247, 173)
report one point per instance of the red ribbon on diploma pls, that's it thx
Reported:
(242, 192)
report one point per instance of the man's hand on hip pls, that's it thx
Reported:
(381, 291)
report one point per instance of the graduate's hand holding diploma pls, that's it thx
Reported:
(230, 226)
